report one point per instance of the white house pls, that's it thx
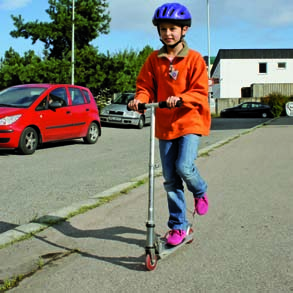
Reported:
(236, 70)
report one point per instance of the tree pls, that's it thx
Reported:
(9, 69)
(32, 69)
(143, 54)
(122, 69)
(91, 20)
(102, 73)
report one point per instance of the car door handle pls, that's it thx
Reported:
(87, 110)
(68, 112)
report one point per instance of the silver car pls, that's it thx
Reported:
(117, 113)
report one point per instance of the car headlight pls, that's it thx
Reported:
(9, 119)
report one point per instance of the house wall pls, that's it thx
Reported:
(235, 74)
(216, 89)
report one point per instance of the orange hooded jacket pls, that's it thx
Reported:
(154, 84)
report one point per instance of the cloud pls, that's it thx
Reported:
(136, 15)
(259, 13)
(282, 16)
(13, 4)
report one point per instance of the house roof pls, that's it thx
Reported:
(252, 54)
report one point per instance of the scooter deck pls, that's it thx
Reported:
(165, 249)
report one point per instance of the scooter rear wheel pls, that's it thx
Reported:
(151, 262)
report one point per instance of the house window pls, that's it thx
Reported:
(281, 65)
(262, 67)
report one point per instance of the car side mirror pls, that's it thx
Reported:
(55, 105)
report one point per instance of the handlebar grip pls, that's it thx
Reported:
(179, 103)
(144, 106)
(141, 106)
(164, 104)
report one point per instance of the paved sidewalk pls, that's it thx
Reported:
(244, 243)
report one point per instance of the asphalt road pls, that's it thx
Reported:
(58, 175)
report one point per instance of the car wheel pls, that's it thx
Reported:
(92, 134)
(264, 115)
(141, 122)
(28, 142)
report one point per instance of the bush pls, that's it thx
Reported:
(277, 102)
(103, 98)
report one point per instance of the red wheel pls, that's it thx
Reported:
(151, 262)
(190, 232)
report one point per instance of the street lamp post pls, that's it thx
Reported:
(209, 48)
(72, 45)
(209, 41)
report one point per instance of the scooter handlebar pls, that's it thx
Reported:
(144, 106)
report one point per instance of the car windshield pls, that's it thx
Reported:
(20, 97)
(123, 99)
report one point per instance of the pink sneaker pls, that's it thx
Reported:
(201, 205)
(175, 237)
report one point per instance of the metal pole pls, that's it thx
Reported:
(72, 46)
(151, 214)
(209, 41)
(209, 47)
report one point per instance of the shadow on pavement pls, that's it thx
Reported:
(4, 226)
(111, 233)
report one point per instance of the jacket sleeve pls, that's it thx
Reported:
(197, 92)
(146, 82)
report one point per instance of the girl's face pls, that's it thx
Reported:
(171, 33)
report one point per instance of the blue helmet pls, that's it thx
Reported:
(174, 13)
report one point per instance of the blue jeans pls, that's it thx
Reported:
(177, 157)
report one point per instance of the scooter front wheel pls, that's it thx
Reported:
(151, 261)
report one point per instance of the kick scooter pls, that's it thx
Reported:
(156, 247)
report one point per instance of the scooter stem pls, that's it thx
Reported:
(151, 217)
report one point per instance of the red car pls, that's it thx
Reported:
(32, 114)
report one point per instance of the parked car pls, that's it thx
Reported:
(117, 113)
(248, 109)
(33, 114)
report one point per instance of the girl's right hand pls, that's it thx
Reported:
(133, 104)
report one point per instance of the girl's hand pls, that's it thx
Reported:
(172, 100)
(133, 104)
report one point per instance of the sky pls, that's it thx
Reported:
(234, 24)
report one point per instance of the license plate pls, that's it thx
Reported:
(115, 119)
